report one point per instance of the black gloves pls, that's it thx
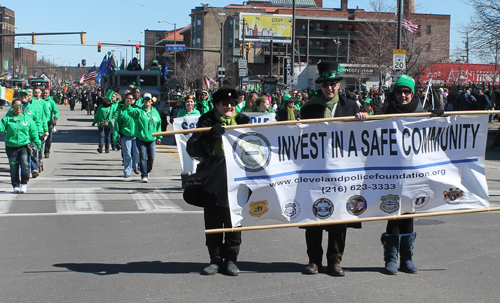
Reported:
(215, 133)
(437, 112)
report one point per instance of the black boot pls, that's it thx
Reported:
(99, 149)
(391, 247)
(215, 261)
(406, 252)
(230, 258)
(107, 149)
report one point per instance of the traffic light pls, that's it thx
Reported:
(248, 46)
(82, 38)
(99, 47)
(33, 38)
(137, 48)
(241, 48)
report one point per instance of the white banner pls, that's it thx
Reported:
(345, 170)
(188, 165)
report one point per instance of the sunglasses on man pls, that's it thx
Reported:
(17, 105)
(227, 102)
(403, 91)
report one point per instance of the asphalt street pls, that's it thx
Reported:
(83, 233)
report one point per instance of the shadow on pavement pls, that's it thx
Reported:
(158, 267)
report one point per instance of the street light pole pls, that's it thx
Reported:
(175, 42)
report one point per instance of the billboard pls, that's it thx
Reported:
(456, 73)
(259, 27)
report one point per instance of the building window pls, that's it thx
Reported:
(231, 24)
(318, 43)
(311, 26)
(341, 26)
(310, 43)
(318, 26)
(198, 42)
(325, 27)
(157, 38)
(350, 27)
(303, 27)
(230, 42)
(429, 29)
(429, 47)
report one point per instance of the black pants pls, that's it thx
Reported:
(218, 217)
(336, 245)
(48, 142)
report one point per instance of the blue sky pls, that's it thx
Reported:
(118, 21)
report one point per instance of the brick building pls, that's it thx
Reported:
(7, 26)
(24, 58)
(157, 39)
(320, 34)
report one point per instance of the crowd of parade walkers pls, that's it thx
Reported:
(126, 122)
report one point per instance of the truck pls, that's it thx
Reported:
(150, 81)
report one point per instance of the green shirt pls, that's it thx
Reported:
(103, 113)
(124, 124)
(183, 113)
(147, 122)
(53, 111)
(21, 130)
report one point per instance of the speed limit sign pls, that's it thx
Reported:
(399, 59)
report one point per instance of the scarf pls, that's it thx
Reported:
(396, 108)
(329, 104)
(218, 147)
(290, 114)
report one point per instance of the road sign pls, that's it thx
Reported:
(243, 72)
(221, 72)
(399, 59)
(175, 47)
(242, 63)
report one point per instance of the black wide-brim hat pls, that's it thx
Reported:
(328, 71)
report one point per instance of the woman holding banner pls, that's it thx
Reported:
(399, 235)
(207, 147)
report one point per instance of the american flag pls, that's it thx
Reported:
(209, 81)
(412, 27)
(89, 76)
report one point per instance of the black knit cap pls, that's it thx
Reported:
(224, 93)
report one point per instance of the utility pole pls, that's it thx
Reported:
(400, 22)
(293, 39)
(467, 46)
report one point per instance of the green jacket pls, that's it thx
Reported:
(204, 106)
(35, 111)
(102, 113)
(146, 122)
(124, 124)
(53, 111)
(43, 106)
(183, 113)
(116, 108)
(21, 130)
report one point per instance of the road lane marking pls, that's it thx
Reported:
(155, 201)
(73, 200)
(6, 201)
(169, 151)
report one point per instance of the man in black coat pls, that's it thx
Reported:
(326, 104)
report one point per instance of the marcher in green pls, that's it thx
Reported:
(148, 121)
(203, 102)
(124, 132)
(102, 118)
(53, 115)
(21, 130)
(189, 109)
(263, 105)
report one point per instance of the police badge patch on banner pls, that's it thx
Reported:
(345, 170)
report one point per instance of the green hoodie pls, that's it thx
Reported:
(204, 106)
(103, 113)
(53, 111)
(124, 124)
(35, 111)
(21, 130)
(146, 122)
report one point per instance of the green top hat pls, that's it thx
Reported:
(328, 71)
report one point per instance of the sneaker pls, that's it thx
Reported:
(24, 188)
(35, 174)
(16, 190)
(144, 180)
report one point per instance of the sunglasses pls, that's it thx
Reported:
(401, 91)
(227, 102)
(17, 105)
(326, 84)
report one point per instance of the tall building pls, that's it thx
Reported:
(320, 34)
(7, 45)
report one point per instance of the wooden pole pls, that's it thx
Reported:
(323, 223)
(307, 121)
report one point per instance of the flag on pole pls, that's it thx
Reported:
(412, 27)
(209, 81)
(90, 75)
(164, 68)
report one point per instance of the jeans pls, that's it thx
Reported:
(147, 155)
(104, 135)
(130, 154)
(18, 159)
